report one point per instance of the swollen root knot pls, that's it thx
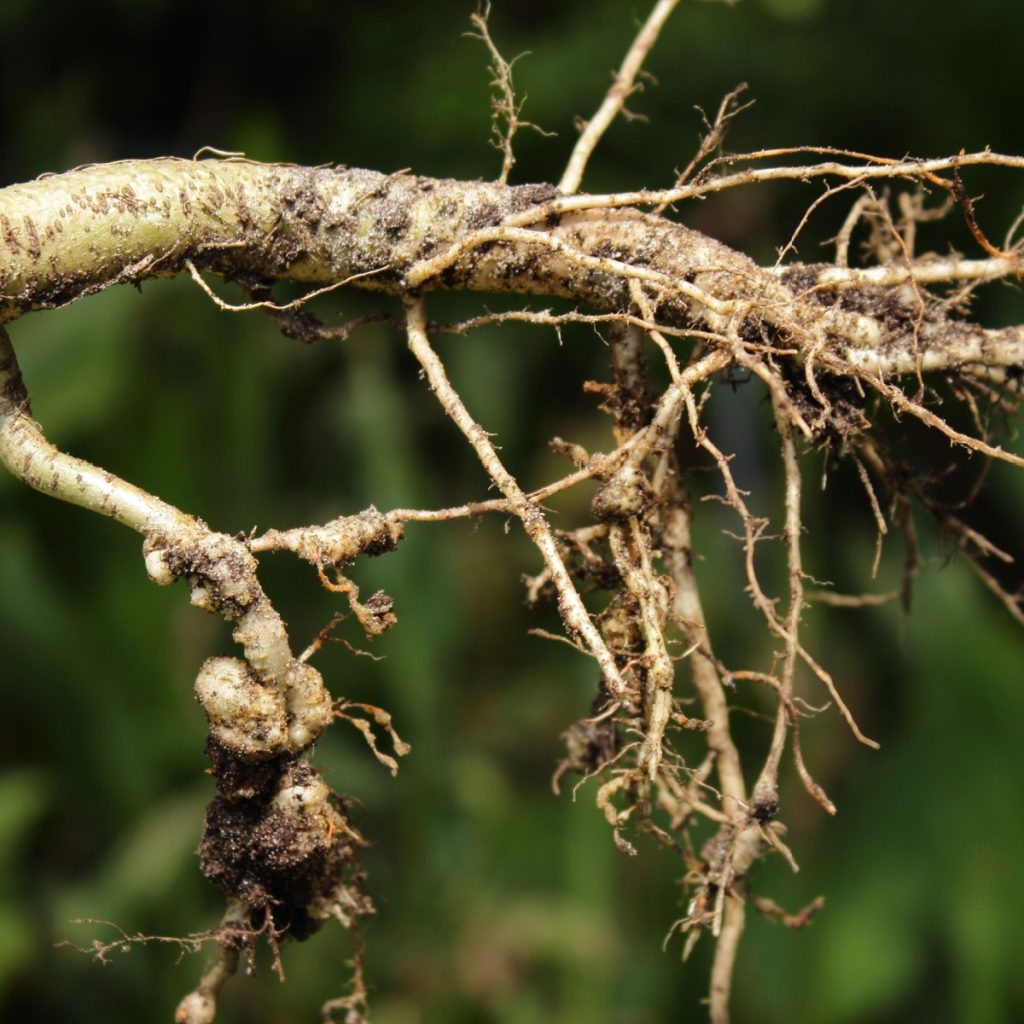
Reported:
(219, 569)
(196, 1008)
(255, 719)
(626, 493)
(247, 715)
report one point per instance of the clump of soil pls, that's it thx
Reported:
(276, 838)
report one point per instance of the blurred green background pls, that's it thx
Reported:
(497, 901)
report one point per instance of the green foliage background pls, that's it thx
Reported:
(497, 901)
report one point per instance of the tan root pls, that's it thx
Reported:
(833, 349)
